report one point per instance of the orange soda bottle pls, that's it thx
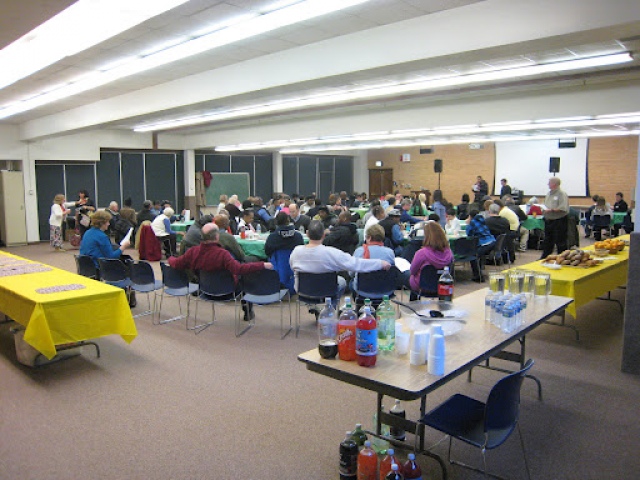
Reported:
(347, 332)
(411, 469)
(366, 339)
(388, 460)
(367, 463)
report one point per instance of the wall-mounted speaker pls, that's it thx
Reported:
(426, 150)
(568, 143)
(554, 164)
(437, 165)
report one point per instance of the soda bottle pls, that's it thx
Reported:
(347, 332)
(243, 233)
(348, 458)
(366, 339)
(367, 303)
(394, 474)
(359, 436)
(367, 463)
(328, 331)
(445, 286)
(385, 464)
(386, 325)
(379, 444)
(397, 432)
(411, 470)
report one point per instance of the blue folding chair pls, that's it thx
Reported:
(313, 288)
(263, 288)
(116, 273)
(375, 285)
(215, 287)
(86, 267)
(482, 425)
(175, 283)
(143, 280)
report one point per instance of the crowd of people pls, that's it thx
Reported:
(332, 231)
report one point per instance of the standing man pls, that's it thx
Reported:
(555, 219)
(505, 189)
(481, 188)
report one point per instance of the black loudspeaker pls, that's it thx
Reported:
(437, 165)
(554, 164)
(567, 143)
(426, 150)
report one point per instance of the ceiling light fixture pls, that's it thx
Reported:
(252, 26)
(387, 90)
(91, 21)
(428, 135)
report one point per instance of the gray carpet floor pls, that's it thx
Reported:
(174, 405)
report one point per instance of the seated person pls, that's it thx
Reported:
(246, 222)
(374, 248)
(326, 217)
(393, 235)
(146, 213)
(377, 214)
(452, 226)
(463, 208)
(284, 239)
(95, 242)
(228, 241)
(343, 235)
(602, 208)
(161, 226)
(193, 237)
(435, 251)
(318, 258)
(476, 227)
(405, 217)
(533, 208)
(497, 225)
(298, 219)
(210, 256)
(619, 206)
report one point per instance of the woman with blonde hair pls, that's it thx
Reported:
(58, 215)
(435, 251)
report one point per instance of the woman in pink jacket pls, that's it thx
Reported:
(435, 251)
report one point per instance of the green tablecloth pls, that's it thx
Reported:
(618, 217)
(181, 226)
(256, 247)
(532, 223)
(360, 211)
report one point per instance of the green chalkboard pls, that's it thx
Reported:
(227, 184)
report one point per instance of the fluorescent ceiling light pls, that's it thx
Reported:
(387, 90)
(79, 27)
(431, 136)
(252, 26)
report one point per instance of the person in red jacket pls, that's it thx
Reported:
(210, 256)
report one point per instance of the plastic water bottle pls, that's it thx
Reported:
(380, 445)
(487, 306)
(348, 458)
(258, 229)
(397, 432)
(386, 326)
(394, 474)
(328, 331)
(445, 286)
(508, 313)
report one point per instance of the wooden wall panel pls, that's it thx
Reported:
(612, 167)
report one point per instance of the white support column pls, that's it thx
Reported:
(636, 192)
(361, 171)
(190, 173)
(277, 173)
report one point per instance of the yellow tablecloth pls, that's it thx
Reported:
(64, 317)
(586, 284)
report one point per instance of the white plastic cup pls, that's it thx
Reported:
(402, 342)
(436, 355)
(436, 329)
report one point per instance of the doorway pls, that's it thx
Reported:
(380, 182)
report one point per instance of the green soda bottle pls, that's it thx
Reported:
(386, 326)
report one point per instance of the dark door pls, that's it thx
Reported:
(380, 182)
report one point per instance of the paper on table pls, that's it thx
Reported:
(402, 264)
(127, 236)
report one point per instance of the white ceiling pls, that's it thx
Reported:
(337, 31)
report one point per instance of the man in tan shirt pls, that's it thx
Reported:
(555, 218)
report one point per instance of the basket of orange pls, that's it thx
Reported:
(611, 245)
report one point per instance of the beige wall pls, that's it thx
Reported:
(612, 163)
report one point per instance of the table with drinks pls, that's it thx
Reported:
(253, 244)
(395, 372)
(584, 284)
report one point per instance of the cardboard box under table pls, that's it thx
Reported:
(87, 310)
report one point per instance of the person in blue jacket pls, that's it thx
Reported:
(477, 227)
(95, 242)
